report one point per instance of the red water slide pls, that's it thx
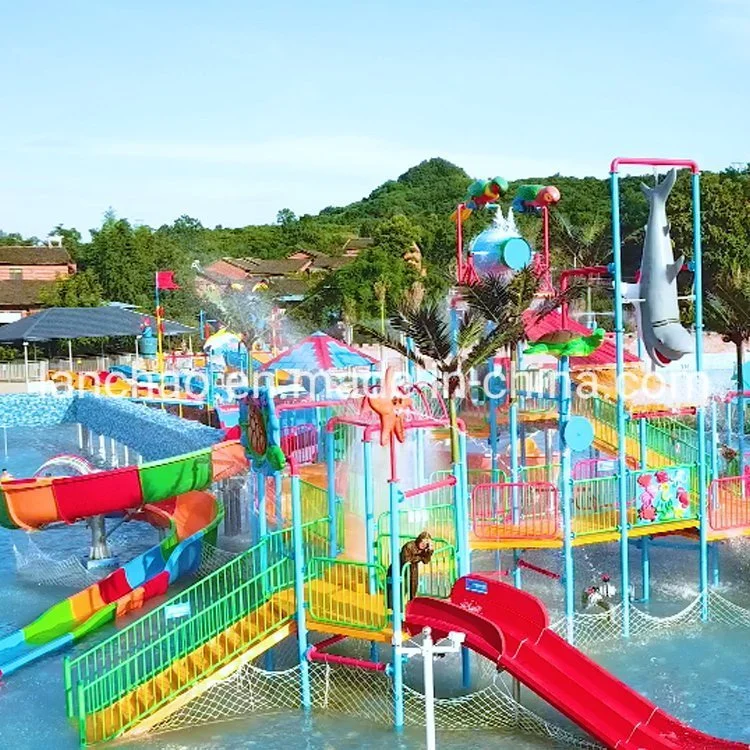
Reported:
(511, 628)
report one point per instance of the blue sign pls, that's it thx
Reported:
(174, 611)
(475, 586)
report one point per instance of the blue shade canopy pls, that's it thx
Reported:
(319, 352)
(81, 322)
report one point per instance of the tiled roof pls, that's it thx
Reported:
(23, 255)
(273, 267)
(358, 243)
(21, 294)
(331, 263)
(552, 322)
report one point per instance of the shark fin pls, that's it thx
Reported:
(674, 268)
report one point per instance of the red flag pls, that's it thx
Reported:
(165, 280)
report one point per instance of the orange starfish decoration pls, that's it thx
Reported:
(390, 405)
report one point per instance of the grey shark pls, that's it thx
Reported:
(655, 296)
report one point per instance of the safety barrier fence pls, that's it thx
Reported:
(301, 443)
(654, 497)
(522, 510)
(347, 594)
(729, 503)
(439, 519)
(185, 639)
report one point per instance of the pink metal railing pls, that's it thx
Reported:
(300, 442)
(729, 503)
(528, 510)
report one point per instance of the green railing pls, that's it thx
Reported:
(673, 440)
(438, 520)
(314, 502)
(544, 473)
(435, 579)
(347, 594)
(595, 506)
(100, 677)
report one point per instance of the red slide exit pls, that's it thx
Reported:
(511, 628)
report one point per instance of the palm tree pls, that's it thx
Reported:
(727, 312)
(496, 300)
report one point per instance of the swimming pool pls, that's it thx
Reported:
(699, 673)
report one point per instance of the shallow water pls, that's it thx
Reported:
(699, 674)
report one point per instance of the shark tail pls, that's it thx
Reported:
(662, 189)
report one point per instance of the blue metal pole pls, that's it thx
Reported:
(741, 429)
(494, 473)
(397, 667)
(514, 477)
(369, 512)
(462, 531)
(410, 364)
(299, 593)
(622, 478)
(454, 329)
(420, 458)
(278, 489)
(369, 493)
(714, 442)
(715, 547)
(646, 567)
(462, 508)
(566, 486)
(700, 411)
(331, 479)
(262, 522)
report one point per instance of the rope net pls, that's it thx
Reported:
(35, 567)
(343, 690)
(271, 684)
(593, 629)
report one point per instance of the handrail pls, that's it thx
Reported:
(100, 677)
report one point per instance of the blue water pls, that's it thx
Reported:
(699, 674)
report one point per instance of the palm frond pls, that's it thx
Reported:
(427, 327)
(470, 330)
(391, 342)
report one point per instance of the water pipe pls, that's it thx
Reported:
(583, 272)
(331, 492)
(614, 166)
(459, 245)
(317, 653)
(566, 487)
(538, 569)
(622, 468)
(299, 586)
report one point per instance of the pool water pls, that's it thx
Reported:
(698, 673)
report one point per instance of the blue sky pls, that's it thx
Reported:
(229, 111)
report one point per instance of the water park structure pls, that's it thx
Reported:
(338, 487)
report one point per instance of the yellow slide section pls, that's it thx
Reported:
(643, 391)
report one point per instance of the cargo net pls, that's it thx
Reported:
(35, 567)
(254, 689)
(592, 629)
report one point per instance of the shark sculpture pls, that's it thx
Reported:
(655, 295)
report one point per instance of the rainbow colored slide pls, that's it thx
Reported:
(165, 493)
(511, 628)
